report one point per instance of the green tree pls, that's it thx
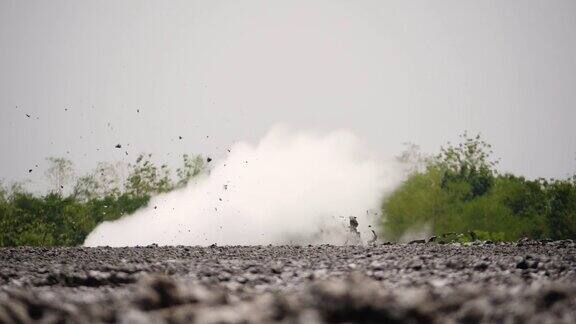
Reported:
(105, 180)
(461, 191)
(145, 178)
(191, 168)
(65, 220)
(468, 164)
(562, 217)
(60, 173)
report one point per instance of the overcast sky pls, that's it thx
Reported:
(215, 72)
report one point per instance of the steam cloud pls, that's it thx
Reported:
(290, 187)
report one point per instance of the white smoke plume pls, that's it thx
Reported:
(289, 188)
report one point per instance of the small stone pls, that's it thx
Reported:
(277, 268)
(522, 265)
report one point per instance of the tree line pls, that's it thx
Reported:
(65, 217)
(460, 190)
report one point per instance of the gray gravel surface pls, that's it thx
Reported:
(524, 282)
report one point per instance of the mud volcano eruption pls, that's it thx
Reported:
(289, 187)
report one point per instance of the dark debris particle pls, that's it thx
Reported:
(482, 266)
(158, 293)
(179, 137)
(553, 296)
(208, 159)
(118, 146)
(27, 115)
(522, 265)
(30, 171)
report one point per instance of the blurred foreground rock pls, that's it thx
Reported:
(528, 282)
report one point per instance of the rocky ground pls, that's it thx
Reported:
(525, 282)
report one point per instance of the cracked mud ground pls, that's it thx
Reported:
(526, 282)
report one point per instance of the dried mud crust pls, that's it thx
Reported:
(415, 283)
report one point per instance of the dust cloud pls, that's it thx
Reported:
(291, 187)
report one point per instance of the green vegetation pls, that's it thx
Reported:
(460, 191)
(101, 195)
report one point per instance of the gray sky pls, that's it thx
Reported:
(391, 71)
